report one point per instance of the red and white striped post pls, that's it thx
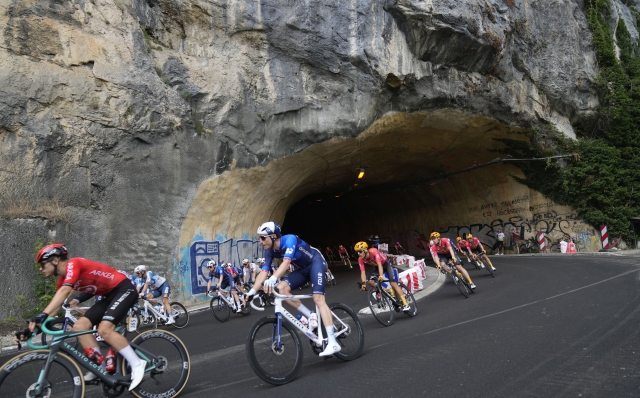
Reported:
(604, 236)
(541, 241)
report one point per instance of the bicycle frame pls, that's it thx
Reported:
(148, 306)
(58, 344)
(226, 296)
(282, 314)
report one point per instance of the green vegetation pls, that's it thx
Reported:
(43, 288)
(602, 182)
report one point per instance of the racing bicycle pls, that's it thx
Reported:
(481, 263)
(384, 302)
(221, 304)
(346, 261)
(457, 278)
(261, 300)
(150, 315)
(55, 370)
(275, 350)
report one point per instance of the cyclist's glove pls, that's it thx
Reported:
(362, 285)
(271, 282)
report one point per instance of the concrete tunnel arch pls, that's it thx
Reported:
(401, 150)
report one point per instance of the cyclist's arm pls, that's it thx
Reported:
(453, 254)
(57, 300)
(284, 266)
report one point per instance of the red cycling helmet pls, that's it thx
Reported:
(55, 249)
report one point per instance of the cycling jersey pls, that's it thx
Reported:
(294, 249)
(90, 277)
(475, 243)
(219, 273)
(233, 272)
(155, 280)
(463, 245)
(343, 251)
(374, 256)
(442, 248)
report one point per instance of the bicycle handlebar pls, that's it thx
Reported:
(45, 330)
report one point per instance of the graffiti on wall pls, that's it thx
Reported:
(555, 227)
(229, 251)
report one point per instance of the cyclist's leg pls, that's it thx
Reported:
(486, 258)
(464, 273)
(92, 317)
(165, 291)
(392, 274)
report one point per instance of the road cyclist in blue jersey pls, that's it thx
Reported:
(225, 279)
(309, 266)
(158, 287)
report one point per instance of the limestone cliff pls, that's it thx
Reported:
(118, 110)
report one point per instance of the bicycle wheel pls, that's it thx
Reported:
(146, 320)
(220, 309)
(410, 300)
(168, 356)
(487, 267)
(274, 364)
(348, 331)
(380, 307)
(180, 314)
(461, 286)
(57, 324)
(20, 374)
(466, 284)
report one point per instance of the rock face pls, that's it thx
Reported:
(118, 110)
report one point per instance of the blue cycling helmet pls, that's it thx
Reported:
(269, 228)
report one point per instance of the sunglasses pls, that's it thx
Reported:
(42, 265)
(361, 251)
(209, 266)
(264, 237)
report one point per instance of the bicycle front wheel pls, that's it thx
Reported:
(380, 307)
(180, 314)
(487, 267)
(19, 376)
(146, 320)
(168, 359)
(410, 300)
(274, 363)
(348, 331)
(460, 285)
(220, 309)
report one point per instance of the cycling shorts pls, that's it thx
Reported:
(228, 282)
(114, 306)
(387, 269)
(313, 273)
(162, 290)
(477, 250)
(445, 257)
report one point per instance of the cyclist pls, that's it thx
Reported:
(309, 266)
(474, 247)
(375, 241)
(329, 253)
(237, 275)
(154, 287)
(249, 270)
(399, 249)
(344, 254)
(94, 278)
(461, 247)
(373, 257)
(221, 272)
(442, 251)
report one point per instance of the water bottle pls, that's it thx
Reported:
(303, 320)
(94, 355)
(111, 361)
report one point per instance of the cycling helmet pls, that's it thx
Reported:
(269, 228)
(434, 235)
(245, 261)
(211, 263)
(469, 236)
(341, 246)
(458, 239)
(361, 246)
(139, 269)
(52, 250)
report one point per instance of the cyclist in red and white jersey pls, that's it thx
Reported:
(82, 275)
(344, 254)
(462, 245)
(442, 251)
(373, 257)
(474, 247)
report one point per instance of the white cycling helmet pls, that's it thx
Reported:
(245, 261)
(269, 228)
(140, 268)
(211, 263)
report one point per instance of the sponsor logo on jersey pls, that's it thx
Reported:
(289, 251)
(303, 250)
(108, 275)
(90, 289)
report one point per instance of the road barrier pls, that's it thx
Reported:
(541, 241)
(604, 236)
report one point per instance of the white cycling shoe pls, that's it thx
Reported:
(89, 376)
(331, 349)
(137, 374)
(171, 321)
(473, 286)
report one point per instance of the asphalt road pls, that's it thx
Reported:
(543, 327)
